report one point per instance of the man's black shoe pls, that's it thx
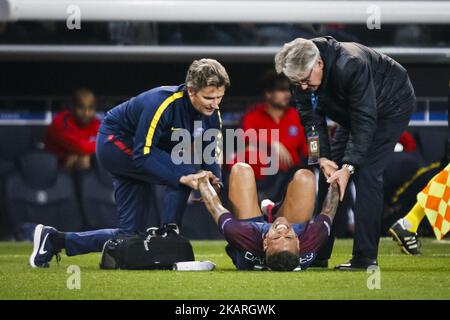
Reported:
(319, 264)
(357, 264)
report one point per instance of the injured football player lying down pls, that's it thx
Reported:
(291, 242)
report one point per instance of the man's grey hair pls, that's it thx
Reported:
(206, 72)
(296, 58)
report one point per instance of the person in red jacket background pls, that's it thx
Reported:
(73, 132)
(275, 113)
(407, 142)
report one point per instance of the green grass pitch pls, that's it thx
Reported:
(402, 277)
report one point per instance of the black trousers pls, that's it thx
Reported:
(369, 182)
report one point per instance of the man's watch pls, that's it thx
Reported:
(349, 167)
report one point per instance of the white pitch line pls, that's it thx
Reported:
(441, 242)
(210, 255)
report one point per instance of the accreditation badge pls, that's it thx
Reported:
(313, 147)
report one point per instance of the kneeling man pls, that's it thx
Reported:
(291, 241)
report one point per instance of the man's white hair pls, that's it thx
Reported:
(296, 58)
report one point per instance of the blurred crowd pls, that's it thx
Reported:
(149, 33)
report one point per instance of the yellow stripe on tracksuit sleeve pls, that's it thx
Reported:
(151, 130)
(219, 145)
(220, 118)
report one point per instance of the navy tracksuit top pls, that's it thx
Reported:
(149, 120)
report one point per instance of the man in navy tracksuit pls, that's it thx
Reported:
(135, 145)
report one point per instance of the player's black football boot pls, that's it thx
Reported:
(407, 240)
(43, 250)
(357, 264)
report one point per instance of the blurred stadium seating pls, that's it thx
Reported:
(38, 192)
(97, 198)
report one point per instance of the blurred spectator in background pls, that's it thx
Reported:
(412, 35)
(275, 113)
(132, 33)
(339, 31)
(406, 143)
(73, 132)
(12, 32)
(277, 34)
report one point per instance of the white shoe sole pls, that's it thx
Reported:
(36, 244)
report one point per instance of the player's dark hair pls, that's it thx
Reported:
(78, 95)
(282, 261)
(271, 81)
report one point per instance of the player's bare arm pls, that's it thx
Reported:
(331, 201)
(210, 197)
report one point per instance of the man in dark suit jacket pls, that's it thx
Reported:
(371, 97)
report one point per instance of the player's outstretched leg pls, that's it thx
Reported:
(242, 192)
(44, 246)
